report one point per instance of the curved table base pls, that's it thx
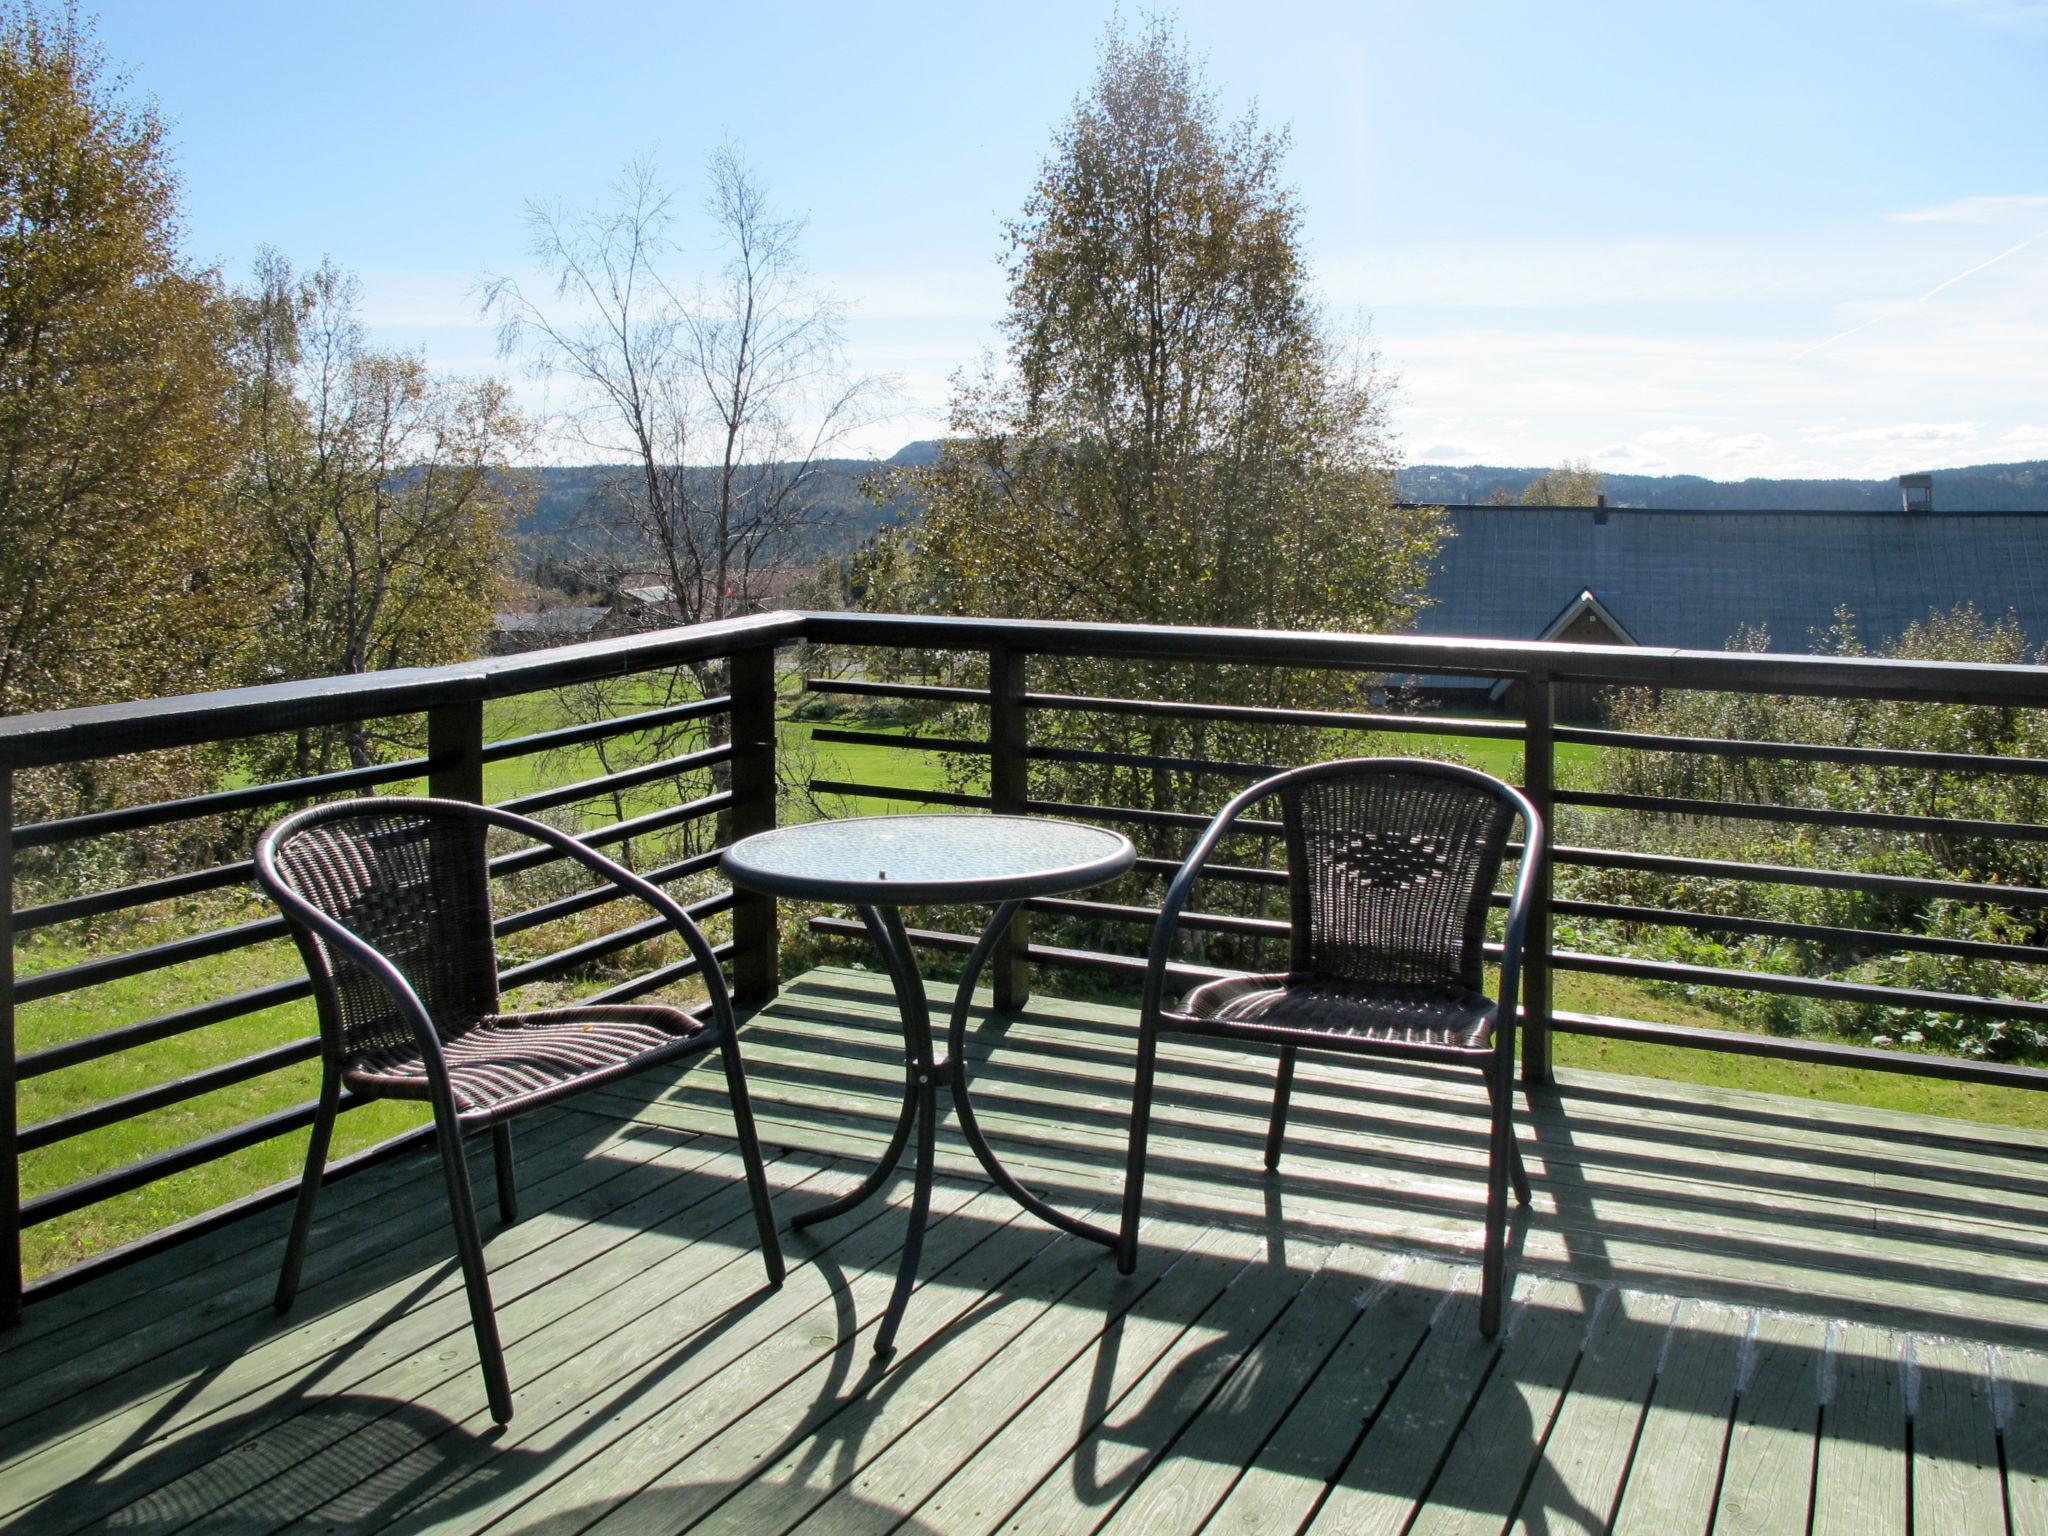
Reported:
(920, 1106)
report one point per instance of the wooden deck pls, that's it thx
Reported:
(1733, 1313)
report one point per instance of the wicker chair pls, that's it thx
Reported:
(389, 900)
(1391, 867)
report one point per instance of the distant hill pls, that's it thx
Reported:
(569, 512)
(1977, 488)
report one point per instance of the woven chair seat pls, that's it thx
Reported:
(1298, 1008)
(515, 1060)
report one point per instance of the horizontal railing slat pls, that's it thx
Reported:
(598, 730)
(161, 1095)
(575, 955)
(154, 957)
(1913, 998)
(1807, 752)
(612, 783)
(1865, 940)
(1259, 714)
(178, 1159)
(139, 725)
(599, 895)
(1796, 874)
(182, 1021)
(159, 813)
(956, 744)
(865, 688)
(892, 792)
(1772, 672)
(1859, 1058)
(1812, 816)
(1149, 762)
(122, 898)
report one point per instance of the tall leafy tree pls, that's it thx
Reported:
(117, 578)
(1570, 484)
(382, 495)
(1172, 434)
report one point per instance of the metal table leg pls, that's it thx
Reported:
(920, 1106)
(956, 1070)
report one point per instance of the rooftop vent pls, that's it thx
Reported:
(1916, 492)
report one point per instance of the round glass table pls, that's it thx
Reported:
(880, 864)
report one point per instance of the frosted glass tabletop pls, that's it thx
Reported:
(902, 860)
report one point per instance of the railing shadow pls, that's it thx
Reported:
(1208, 1174)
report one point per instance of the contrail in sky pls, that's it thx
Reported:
(1930, 293)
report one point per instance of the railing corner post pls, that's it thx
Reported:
(1539, 783)
(455, 751)
(10, 1116)
(757, 958)
(1009, 787)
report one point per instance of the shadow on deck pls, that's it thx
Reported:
(1732, 1310)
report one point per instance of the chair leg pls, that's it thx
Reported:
(750, 1156)
(309, 1189)
(469, 1248)
(1277, 1130)
(1499, 1155)
(1520, 1175)
(1134, 1165)
(508, 1173)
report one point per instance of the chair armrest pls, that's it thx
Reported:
(624, 878)
(1515, 936)
(1160, 953)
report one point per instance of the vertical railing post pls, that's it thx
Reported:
(1539, 783)
(455, 751)
(1009, 786)
(10, 1116)
(757, 958)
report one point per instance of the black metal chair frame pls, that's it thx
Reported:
(313, 928)
(1494, 1060)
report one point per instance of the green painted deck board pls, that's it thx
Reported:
(1592, 1440)
(1860, 1471)
(1767, 1477)
(1294, 1348)
(1677, 1462)
(1502, 1438)
(1956, 1483)
(1183, 1488)
(980, 1412)
(1286, 1481)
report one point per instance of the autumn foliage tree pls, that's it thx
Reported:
(1172, 434)
(380, 495)
(117, 578)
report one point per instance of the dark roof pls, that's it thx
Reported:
(1693, 579)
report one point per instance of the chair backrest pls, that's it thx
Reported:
(410, 880)
(1390, 869)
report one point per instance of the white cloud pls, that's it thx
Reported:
(1911, 432)
(2027, 17)
(2010, 208)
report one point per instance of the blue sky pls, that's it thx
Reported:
(1722, 240)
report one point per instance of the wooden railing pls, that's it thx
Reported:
(739, 760)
